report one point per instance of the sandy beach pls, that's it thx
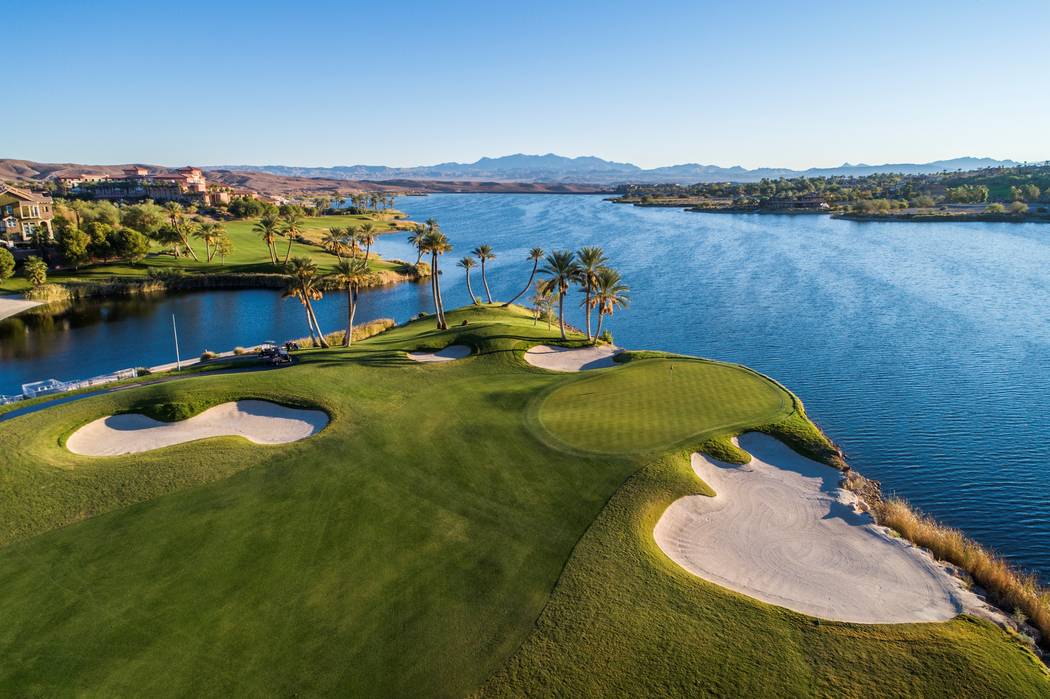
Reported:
(781, 530)
(258, 421)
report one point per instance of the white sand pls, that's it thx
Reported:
(571, 359)
(10, 306)
(258, 421)
(449, 354)
(781, 530)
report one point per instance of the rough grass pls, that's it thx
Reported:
(407, 550)
(1006, 586)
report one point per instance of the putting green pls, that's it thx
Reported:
(655, 404)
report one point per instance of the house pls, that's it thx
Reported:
(806, 202)
(23, 213)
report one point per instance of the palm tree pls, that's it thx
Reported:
(562, 271)
(437, 244)
(209, 233)
(467, 263)
(367, 236)
(223, 246)
(536, 254)
(268, 228)
(302, 284)
(333, 242)
(483, 253)
(418, 233)
(590, 260)
(544, 304)
(293, 226)
(175, 211)
(166, 235)
(609, 293)
(351, 275)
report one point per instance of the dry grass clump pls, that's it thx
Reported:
(1006, 587)
(208, 354)
(361, 332)
(238, 351)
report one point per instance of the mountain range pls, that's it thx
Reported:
(551, 168)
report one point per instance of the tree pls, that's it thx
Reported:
(436, 244)
(536, 254)
(562, 270)
(333, 241)
(995, 208)
(544, 303)
(268, 228)
(7, 264)
(223, 246)
(175, 213)
(590, 260)
(418, 233)
(484, 253)
(145, 218)
(34, 270)
(609, 293)
(1031, 192)
(302, 284)
(73, 244)
(351, 275)
(1018, 208)
(98, 247)
(129, 244)
(209, 233)
(293, 226)
(366, 234)
(467, 263)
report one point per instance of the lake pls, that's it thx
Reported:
(922, 349)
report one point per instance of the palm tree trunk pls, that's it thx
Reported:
(598, 332)
(471, 291)
(288, 250)
(419, 255)
(561, 313)
(368, 251)
(353, 312)
(440, 303)
(485, 280)
(309, 324)
(587, 307)
(531, 277)
(349, 315)
(434, 289)
(186, 242)
(320, 334)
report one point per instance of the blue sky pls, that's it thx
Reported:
(407, 83)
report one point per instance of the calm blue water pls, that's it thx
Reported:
(921, 348)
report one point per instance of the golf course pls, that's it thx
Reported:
(434, 517)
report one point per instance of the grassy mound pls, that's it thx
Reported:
(407, 550)
(657, 404)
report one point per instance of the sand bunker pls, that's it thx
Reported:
(256, 420)
(571, 359)
(449, 354)
(781, 530)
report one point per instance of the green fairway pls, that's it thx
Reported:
(433, 540)
(249, 254)
(656, 404)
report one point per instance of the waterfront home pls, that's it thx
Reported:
(23, 213)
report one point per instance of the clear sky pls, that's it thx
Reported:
(407, 83)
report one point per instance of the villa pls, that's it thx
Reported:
(23, 213)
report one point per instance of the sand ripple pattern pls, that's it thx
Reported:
(782, 531)
(258, 421)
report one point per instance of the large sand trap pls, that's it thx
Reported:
(780, 529)
(571, 358)
(10, 306)
(449, 354)
(256, 420)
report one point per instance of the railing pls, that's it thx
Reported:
(43, 388)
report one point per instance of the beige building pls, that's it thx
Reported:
(22, 213)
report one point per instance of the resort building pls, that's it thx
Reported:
(23, 213)
(186, 185)
(808, 202)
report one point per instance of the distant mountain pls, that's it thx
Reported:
(551, 168)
